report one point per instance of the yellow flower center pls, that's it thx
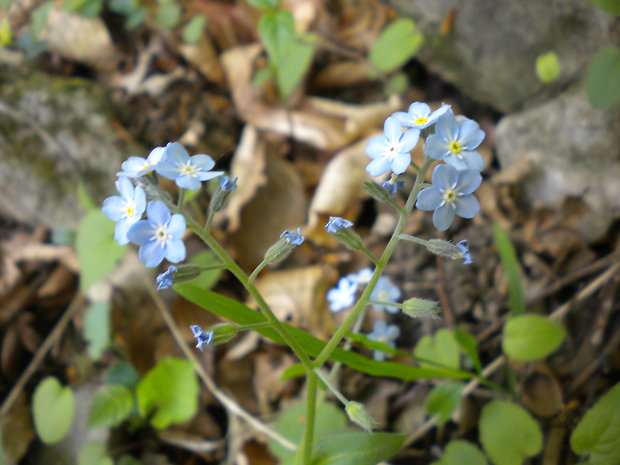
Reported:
(455, 147)
(189, 170)
(161, 234)
(450, 195)
(421, 120)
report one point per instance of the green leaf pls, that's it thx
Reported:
(508, 433)
(469, 345)
(127, 459)
(356, 448)
(531, 337)
(290, 424)
(97, 251)
(265, 4)
(135, 18)
(207, 279)
(123, 373)
(293, 65)
(125, 7)
(193, 30)
(39, 16)
(460, 452)
(610, 6)
(603, 77)
(168, 14)
(443, 400)
(511, 269)
(441, 349)
(396, 44)
(52, 406)
(548, 67)
(110, 406)
(276, 30)
(234, 311)
(86, 8)
(396, 84)
(6, 33)
(93, 453)
(170, 392)
(598, 432)
(97, 330)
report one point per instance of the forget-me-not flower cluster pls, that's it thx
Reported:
(385, 333)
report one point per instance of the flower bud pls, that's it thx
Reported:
(278, 252)
(358, 414)
(350, 239)
(223, 332)
(220, 198)
(421, 308)
(449, 250)
(377, 191)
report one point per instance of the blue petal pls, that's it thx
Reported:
(175, 251)
(141, 232)
(469, 181)
(158, 213)
(419, 110)
(436, 147)
(467, 206)
(151, 253)
(376, 146)
(403, 118)
(392, 129)
(206, 175)
(114, 207)
(188, 182)
(168, 169)
(447, 127)
(125, 187)
(157, 155)
(400, 162)
(470, 135)
(176, 153)
(378, 166)
(120, 232)
(473, 160)
(443, 216)
(409, 139)
(139, 199)
(429, 199)
(444, 177)
(133, 167)
(457, 162)
(177, 226)
(204, 162)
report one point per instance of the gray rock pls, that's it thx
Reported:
(491, 49)
(574, 150)
(54, 133)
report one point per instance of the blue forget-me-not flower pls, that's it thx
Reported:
(420, 115)
(387, 334)
(450, 194)
(188, 172)
(336, 223)
(385, 291)
(228, 184)
(362, 277)
(134, 167)
(159, 236)
(125, 209)
(455, 141)
(342, 296)
(166, 279)
(391, 150)
(392, 187)
(293, 237)
(203, 338)
(462, 246)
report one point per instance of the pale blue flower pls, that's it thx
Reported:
(362, 277)
(384, 333)
(342, 296)
(455, 141)
(336, 223)
(228, 184)
(293, 237)
(125, 209)
(392, 187)
(159, 236)
(188, 172)
(391, 151)
(462, 246)
(450, 194)
(203, 338)
(134, 167)
(385, 291)
(166, 279)
(420, 115)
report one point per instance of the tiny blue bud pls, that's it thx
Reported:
(293, 237)
(203, 338)
(166, 279)
(336, 224)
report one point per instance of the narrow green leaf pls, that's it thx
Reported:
(531, 337)
(511, 269)
(53, 407)
(97, 251)
(469, 345)
(598, 432)
(169, 391)
(97, 331)
(356, 448)
(396, 44)
(508, 433)
(93, 453)
(276, 30)
(460, 452)
(329, 420)
(443, 400)
(441, 348)
(603, 77)
(265, 4)
(193, 30)
(548, 67)
(207, 279)
(111, 406)
(232, 310)
(610, 6)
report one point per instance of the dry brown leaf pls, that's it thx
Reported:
(297, 296)
(342, 74)
(75, 37)
(204, 56)
(17, 430)
(542, 393)
(267, 380)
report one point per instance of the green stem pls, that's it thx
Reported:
(380, 303)
(180, 199)
(257, 270)
(417, 240)
(305, 452)
(330, 386)
(382, 262)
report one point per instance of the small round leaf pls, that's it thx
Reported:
(52, 407)
(531, 337)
